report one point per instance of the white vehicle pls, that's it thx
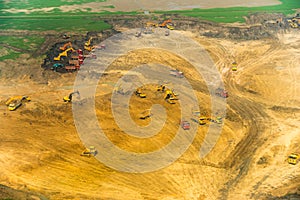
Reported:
(176, 73)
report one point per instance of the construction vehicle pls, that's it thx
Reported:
(234, 66)
(294, 25)
(64, 53)
(89, 48)
(176, 73)
(161, 88)
(185, 125)
(202, 120)
(293, 158)
(88, 152)
(167, 33)
(151, 24)
(167, 24)
(70, 96)
(221, 92)
(138, 34)
(65, 46)
(88, 43)
(65, 36)
(15, 102)
(55, 66)
(170, 96)
(139, 93)
(146, 114)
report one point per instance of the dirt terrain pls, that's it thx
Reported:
(40, 148)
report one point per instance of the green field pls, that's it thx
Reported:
(12, 46)
(83, 20)
(236, 14)
(33, 4)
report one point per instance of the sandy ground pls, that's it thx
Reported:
(40, 148)
(138, 5)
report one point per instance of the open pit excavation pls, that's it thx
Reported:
(177, 109)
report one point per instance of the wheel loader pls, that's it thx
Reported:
(88, 152)
(293, 158)
(234, 66)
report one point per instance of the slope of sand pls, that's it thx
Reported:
(40, 149)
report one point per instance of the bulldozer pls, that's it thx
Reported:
(70, 96)
(88, 152)
(139, 93)
(146, 114)
(293, 159)
(65, 46)
(15, 102)
(64, 53)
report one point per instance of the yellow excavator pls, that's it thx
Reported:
(139, 93)
(15, 102)
(88, 43)
(88, 46)
(64, 53)
(170, 96)
(70, 96)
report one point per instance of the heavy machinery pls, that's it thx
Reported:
(176, 73)
(15, 102)
(293, 158)
(65, 36)
(64, 53)
(138, 34)
(88, 46)
(167, 24)
(88, 152)
(146, 114)
(55, 66)
(202, 120)
(151, 24)
(221, 92)
(185, 125)
(234, 66)
(170, 96)
(139, 93)
(167, 33)
(161, 88)
(88, 43)
(69, 98)
(65, 46)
